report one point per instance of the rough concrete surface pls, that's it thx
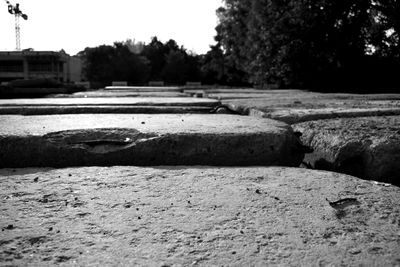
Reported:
(367, 147)
(140, 139)
(145, 88)
(297, 98)
(153, 105)
(120, 93)
(295, 115)
(196, 216)
(132, 101)
(251, 91)
(95, 109)
(306, 106)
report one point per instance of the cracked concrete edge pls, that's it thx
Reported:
(341, 145)
(379, 163)
(107, 147)
(243, 110)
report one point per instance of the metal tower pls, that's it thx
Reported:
(14, 10)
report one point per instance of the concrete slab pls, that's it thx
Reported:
(182, 216)
(145, 88)
(222, 94)
(293, 115)
(110, 93)
(130, 101)
(367, 147)
(153, 105)
(238, 93)
(99, 109)
(140, 139)
(225, 96)
(311, 102)
(251, 91)
(297, 98)
(306, 108)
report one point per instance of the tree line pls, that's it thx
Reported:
(138, 63)
(350, 45)
(327, 45)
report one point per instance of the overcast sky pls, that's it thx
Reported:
(73, 25)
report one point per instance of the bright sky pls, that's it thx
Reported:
(73, 25)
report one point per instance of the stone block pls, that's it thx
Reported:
(182, 216)
(140, 139)
(366, 147)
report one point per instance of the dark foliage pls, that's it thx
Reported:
(325, 45)
(139, 63)
(105, 64)
(320, 44)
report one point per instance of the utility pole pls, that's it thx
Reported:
(14, 10)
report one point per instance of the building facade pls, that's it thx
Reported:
(39, 64)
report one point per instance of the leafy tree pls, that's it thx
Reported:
(104, 64)
(193, 67)
(155, 54)
(221, 66)
(213, 66)
(171, 63)
(134, 47)
(385, 28)
(307, 43)
(138, 63)
(174, 68)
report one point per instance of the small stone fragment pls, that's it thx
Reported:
(354, 251)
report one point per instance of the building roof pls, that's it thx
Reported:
(4, 55)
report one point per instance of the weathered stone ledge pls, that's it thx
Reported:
(292, 116)
(95, 109)
(111, 139)
(366, 147)
(105, 101)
